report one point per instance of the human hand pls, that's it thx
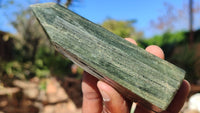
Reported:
(99, 97)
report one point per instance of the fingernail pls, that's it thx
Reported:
(101, 86)
(105, 96)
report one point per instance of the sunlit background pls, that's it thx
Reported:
(35, 78)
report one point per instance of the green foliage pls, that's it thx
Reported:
(43, 84)
(32, 54)
(13, 68)
(187, 59)
(168, 41)
(30, 34)
(166, 38)
(176, 51)
(4, 78)
(47, 63)
(122, 28)
(31, 51)
(47, 58)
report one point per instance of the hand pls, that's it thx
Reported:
(99, 97)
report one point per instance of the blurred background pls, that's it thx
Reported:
(35, 78)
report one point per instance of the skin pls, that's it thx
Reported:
(97, 92)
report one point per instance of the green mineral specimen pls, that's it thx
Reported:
(135, 73)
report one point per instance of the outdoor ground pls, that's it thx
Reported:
(49, 95)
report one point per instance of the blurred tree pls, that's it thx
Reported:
(5, 3)
(173, 18)
(186, 57)
(167, 41)
(166, 21)
(122, 28)
(32, 54)
(30, 34)
(67, 2)
(191, 21)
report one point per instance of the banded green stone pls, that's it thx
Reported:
(135, 73)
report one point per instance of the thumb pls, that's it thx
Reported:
(113, 101)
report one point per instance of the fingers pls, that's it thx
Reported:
(113, 101)
(131, 40)
(179, 98)
(94, 91)
(155, 50)
(182, 93)
(92, 102)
